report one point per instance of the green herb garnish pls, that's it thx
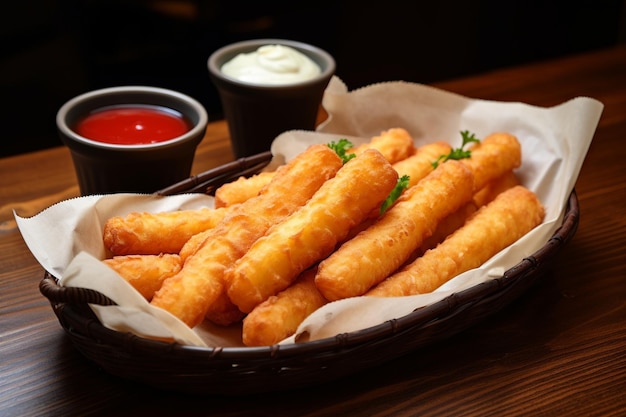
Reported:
(459, 153)
(341, 148)
(401, 185)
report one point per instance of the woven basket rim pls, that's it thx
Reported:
(424, 316)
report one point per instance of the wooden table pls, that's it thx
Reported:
(558, 350)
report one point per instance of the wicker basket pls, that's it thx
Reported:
(247, 370)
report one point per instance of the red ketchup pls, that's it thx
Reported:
(132, 125)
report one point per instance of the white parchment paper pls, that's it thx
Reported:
(66, 239)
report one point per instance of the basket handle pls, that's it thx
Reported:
(208, 181)
(50, 288)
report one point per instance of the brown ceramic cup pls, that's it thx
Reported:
(105, 168)
(256, 113)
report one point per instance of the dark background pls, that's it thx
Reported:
(53, 50)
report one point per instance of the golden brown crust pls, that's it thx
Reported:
(447, 226)
(311, 233)
(394, 144)
(241, 189)
(494, 227)
(193, 244)
(494, 187)
(223, 312)
(455, 220)
(248, 263)
(379, 250)
(145, 273)
(420, 164)
(279, 316)
(190, 293)
(493, 157)
(142, 233)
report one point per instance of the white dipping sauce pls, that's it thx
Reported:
(271, 64)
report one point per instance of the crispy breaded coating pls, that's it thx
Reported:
(455, 220)
(142, 233)
(145, 273)
(312, 232)
(379, 250)
(280, 315)
(241, 189)
(493, 157)
(189, 294)
(494, 227)
(494, 187)
(416, 166)
(447, 226)
(193, 244)
(420, 164)
(223, 312)
(394, 144)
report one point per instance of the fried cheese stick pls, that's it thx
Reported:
(189, 294)
(312, 232)
(241, 189)
(416, 166)
(447, 226)
(493, 157)
(455, 220)
(145, 273)
(494, 227)
(223, 312)
(375, 253)
(494, 187)
(280, 315)
(494, 179)
(143, 233)
(394, 144)
(420, 164)
(193, 244)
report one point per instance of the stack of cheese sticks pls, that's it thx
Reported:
(279, 245)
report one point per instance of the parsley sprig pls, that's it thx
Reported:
(401, 185)
(341, 148)
(459, 153)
